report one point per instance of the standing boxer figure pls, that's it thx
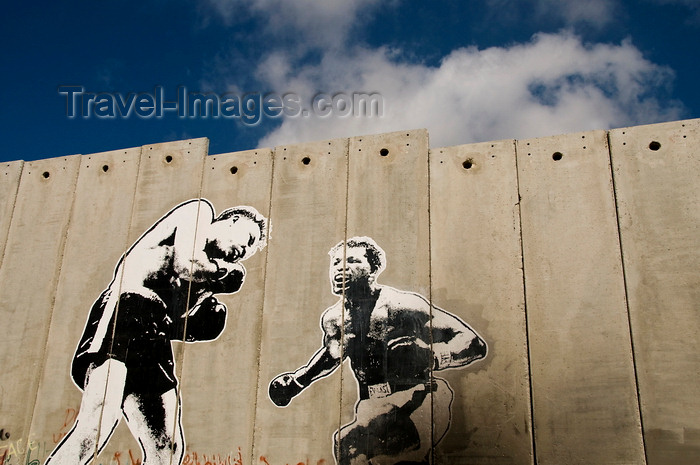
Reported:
(163, 290)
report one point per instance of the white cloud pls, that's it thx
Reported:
(553, 84)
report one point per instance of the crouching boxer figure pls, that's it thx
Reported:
(387, 336)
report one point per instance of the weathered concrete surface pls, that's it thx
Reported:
(657, 173)
(585, 407)
(169, 174)
(307, 218)
(388, 201)
(219, 379)
(97, 237)
(476, 269)
(29, 275)
(9, 182)
(584, 393)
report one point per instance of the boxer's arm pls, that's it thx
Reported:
(231, 279)
(287, 385)
(206, 316)
(321, 364)
(191, 221)
(455, 344)
(205, 321)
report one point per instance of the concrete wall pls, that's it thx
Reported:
(573, 258)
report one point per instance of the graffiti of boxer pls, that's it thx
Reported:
(394, 340)
(163, 290)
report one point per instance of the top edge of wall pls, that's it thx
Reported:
(205, 140)
(200, 141)
(393, 133)
(492, 143)
(665, 124)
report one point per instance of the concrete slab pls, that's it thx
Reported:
(29, 275)
(169, 174)
(656, 172)
(476, 269)
(388, 202)
(97, 237)
(584, 393)
(9, 182)
(220, 378)
(63, 230)
(307, 218)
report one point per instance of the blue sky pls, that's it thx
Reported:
(468, 71)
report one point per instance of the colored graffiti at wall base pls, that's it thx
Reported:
(23, 452)
(31, 452)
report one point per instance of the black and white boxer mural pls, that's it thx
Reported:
(163, 290)
(394, 340)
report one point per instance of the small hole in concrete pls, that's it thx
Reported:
(46, 174)
(168, 159)
(384, 152)
(556, 156)
(306, 160)
(234, 170)
(467, 164)
(105, 168)
(654, 145)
